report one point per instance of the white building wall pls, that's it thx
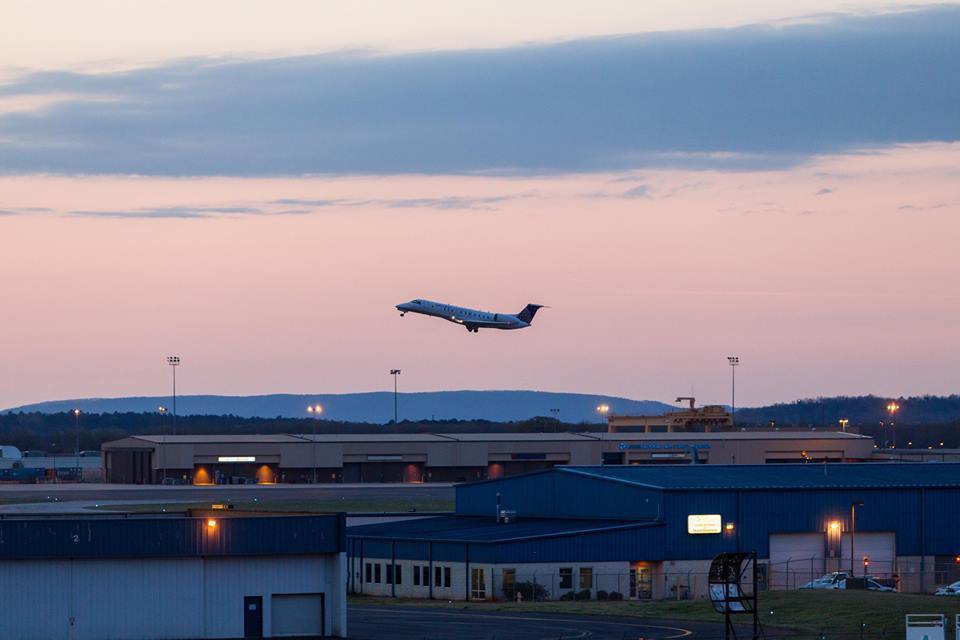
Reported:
(158, 598)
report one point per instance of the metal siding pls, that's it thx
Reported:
(556, 493)
(170, 537)
(941, 522)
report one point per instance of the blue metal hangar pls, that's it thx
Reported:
(201, 575)
(650, 532)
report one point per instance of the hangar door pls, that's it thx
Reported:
(298, 614)
(795, 559)
(880, 547)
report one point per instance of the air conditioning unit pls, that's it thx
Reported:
(507, 516)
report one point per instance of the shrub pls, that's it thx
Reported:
(583, 594)
(615, 595)
(601, 595)
(569, 595)
(531, 592)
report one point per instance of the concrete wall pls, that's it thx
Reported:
(158, 598)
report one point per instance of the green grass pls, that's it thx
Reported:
(313, 506)
(836, 612)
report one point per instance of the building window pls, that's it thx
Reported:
(586, 577)
(376, 573)
(438, 576)
(446, 576)
(509, 582)
(425, 571)
(566, 578)
(478, 584)
(416, 575)
(368, 570)
(398, 574)
(389, 574)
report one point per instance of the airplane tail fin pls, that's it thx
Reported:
(528, 312)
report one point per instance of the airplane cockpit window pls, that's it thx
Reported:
(418, 302)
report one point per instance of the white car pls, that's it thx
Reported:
(872, 585)
(827, 581)
(949, 590)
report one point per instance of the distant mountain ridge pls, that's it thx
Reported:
(373, 407)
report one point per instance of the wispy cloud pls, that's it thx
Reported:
(641, 191)
(171, 212)
(824, 191)
(613, 103)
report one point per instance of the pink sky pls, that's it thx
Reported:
(846, 292)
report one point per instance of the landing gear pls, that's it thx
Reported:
(473, 329)
(403, 313)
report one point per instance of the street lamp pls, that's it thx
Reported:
(734, 362)
(395, 373)
(174, 362)
(162, 410)
(76, 446)
(853, 530)
(603, 409)
(315, 410)
(892, 408)
(843, 424)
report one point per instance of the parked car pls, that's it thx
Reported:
(827, 581)
(948, 590)
(871, 584)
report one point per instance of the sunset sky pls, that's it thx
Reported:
(252, 186)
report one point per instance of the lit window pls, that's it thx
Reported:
(586, 577)
(566, 578)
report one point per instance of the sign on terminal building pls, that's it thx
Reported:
(708, 523)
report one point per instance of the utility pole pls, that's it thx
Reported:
(76, 446)
(853, 530)
(734, 362)
(174, 362)
(315, 411)
(395, 373)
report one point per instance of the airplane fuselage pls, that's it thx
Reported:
(472, 319)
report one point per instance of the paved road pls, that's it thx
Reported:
(416, 623)
(140, 494)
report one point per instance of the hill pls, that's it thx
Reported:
(374, 407)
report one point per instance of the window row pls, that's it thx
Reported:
(393, 574)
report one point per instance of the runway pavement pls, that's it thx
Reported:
(64, 498)
(415, 623)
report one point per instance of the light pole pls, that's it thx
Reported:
(734, 362)
(315, 411)
(843, 424)
(174, 362)
(556, 416)
(892, 408)
(162, 410)
(603, 409)
(395, 373)
(853, 530)
(76, 446)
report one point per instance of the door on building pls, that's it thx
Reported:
(478, 584)
(298, 615)
(880, 548)
(641, 581)
(253, 616)
(796, 559)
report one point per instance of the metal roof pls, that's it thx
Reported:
(165, 536)
(875, 475)
(486, 530)
(731, 435)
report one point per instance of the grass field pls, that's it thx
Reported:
(360, 505)
(834, 612)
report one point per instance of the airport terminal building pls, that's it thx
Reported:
(199, 575)
(647, 532)
(456, 457)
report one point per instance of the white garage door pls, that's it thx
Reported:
(297, 614)
(795, 559)
(881, 548)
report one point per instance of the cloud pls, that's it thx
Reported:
(824, 191)
(172, 212)
(8, 212)
(734, 99)
(443, 202)
(641, 191)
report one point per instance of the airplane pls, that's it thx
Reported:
(472, 319)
